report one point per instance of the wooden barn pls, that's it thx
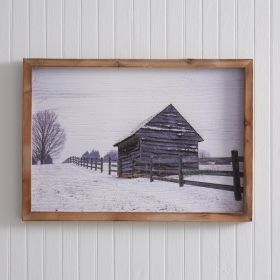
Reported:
(163, 138)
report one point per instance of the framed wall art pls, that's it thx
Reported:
(153, 140)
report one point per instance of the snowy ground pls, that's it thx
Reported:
(66, 187)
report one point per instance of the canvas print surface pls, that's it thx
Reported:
(137, 140)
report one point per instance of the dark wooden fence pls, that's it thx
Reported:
(93, 163)
(153, 172)
(151, 169)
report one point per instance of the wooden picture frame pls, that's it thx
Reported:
(30, 64)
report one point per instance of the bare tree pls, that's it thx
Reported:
(48, 137)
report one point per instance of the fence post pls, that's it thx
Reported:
(95, 167)
(119, 167)
(91, 161)
(109, 169)
(87, 163)
(101, 165)
(151, 169)
(180, 171)
(236, 175)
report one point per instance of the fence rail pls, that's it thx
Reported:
(151, 168)
(93, 163)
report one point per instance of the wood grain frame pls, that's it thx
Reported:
(245, 64)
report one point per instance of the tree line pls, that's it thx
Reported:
(113, 154)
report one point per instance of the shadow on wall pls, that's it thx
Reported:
(10, 141)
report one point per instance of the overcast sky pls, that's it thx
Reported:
(99, 106)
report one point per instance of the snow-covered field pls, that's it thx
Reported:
(66, 187)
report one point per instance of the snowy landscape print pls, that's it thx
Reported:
(137, 140)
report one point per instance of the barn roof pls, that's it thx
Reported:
(152, 124)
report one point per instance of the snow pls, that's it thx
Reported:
(67, 187)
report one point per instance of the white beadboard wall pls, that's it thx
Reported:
(141, 29)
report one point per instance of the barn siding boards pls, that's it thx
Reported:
(166, 135)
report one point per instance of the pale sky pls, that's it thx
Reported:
(99, 106)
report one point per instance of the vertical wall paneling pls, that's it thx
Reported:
(36, 231)
(71, 28)
(105, 251)
(5, 28)
(193, 29)
(193, 49)
(123, 27)
(54, 19)
(175, 28)
(209, 251)
(35, 251)
(275, 138)
(4, 248)
(70, 256)
(140, 251)
(210, 28)
(158, 28)
(106, 28)
(210, 233)
(245, 48)
(227, 28)
(175, 231)
(140, 255)
(37, 28)
(87, 232)
(192, 251)
(227, 49)
(122, 230)
(262, 225)
(87, 251)
(157, 234)
(122, 250)
(157, 250)
(106, 49)
(71, 47)
(175, 251)
(19, 49)
(53, 265)
(141, 29)
(245, 28)
(89, 28)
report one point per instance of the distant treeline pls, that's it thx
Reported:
(95, 154)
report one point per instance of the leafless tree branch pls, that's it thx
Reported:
(48, 137)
